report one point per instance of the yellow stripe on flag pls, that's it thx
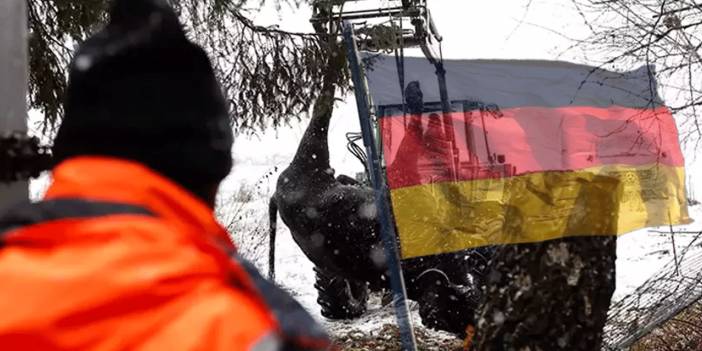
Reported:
(605, 200)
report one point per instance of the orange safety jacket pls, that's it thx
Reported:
(118, 257)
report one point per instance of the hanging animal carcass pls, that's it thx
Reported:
(334, 222)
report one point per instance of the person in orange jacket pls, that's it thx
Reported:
(124, 252)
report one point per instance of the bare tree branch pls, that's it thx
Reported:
(660, 33)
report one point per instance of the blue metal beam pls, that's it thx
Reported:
(387, 229)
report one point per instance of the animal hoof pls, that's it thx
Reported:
(340, 298)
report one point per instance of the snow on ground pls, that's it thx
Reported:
(642, 253)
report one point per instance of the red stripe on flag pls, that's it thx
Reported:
(466, 146)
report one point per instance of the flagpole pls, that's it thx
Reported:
(13, 86)
(387, 230)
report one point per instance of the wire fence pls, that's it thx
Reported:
(661, 298)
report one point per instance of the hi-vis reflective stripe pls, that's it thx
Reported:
(269, 342)
(56, 209)
(452, 216)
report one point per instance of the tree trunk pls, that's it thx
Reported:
(552, 295)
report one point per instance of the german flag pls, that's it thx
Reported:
(530, 151)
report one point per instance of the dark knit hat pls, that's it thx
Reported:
(140, 90)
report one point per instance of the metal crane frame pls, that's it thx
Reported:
(423, 35)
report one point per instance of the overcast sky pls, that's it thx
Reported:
(505, 29)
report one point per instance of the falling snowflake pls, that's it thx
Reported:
(84, 62)
(368, 210)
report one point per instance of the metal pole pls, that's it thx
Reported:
(387, 231)
(447, 118)
(13, 85)
(443, 91)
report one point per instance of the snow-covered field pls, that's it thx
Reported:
(642, 253)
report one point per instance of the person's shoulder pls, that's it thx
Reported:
(225, 317)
